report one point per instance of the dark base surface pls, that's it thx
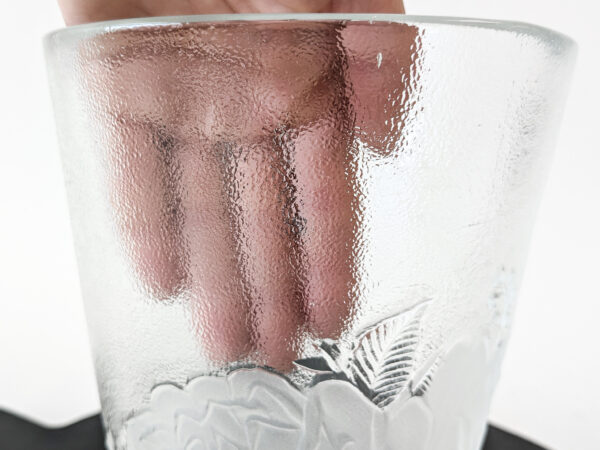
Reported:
(19, 434)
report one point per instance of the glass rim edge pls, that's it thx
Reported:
(121, 24)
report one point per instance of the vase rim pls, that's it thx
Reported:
(498, 25)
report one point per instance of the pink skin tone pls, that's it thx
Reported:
(274, 279)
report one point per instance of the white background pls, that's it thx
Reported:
(550, 388)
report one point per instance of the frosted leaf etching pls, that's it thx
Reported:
(381, 360)
(260, 409)
(369, 392)
(422, 379)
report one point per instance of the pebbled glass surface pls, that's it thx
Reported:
(302, 234)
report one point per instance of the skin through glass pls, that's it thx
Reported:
(280, 262)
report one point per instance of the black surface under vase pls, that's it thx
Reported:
(19, 434)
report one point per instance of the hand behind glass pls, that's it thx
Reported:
(83, 11)
(231, 163)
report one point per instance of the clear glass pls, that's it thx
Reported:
(302, 231)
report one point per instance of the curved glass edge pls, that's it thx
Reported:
(499, 25)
